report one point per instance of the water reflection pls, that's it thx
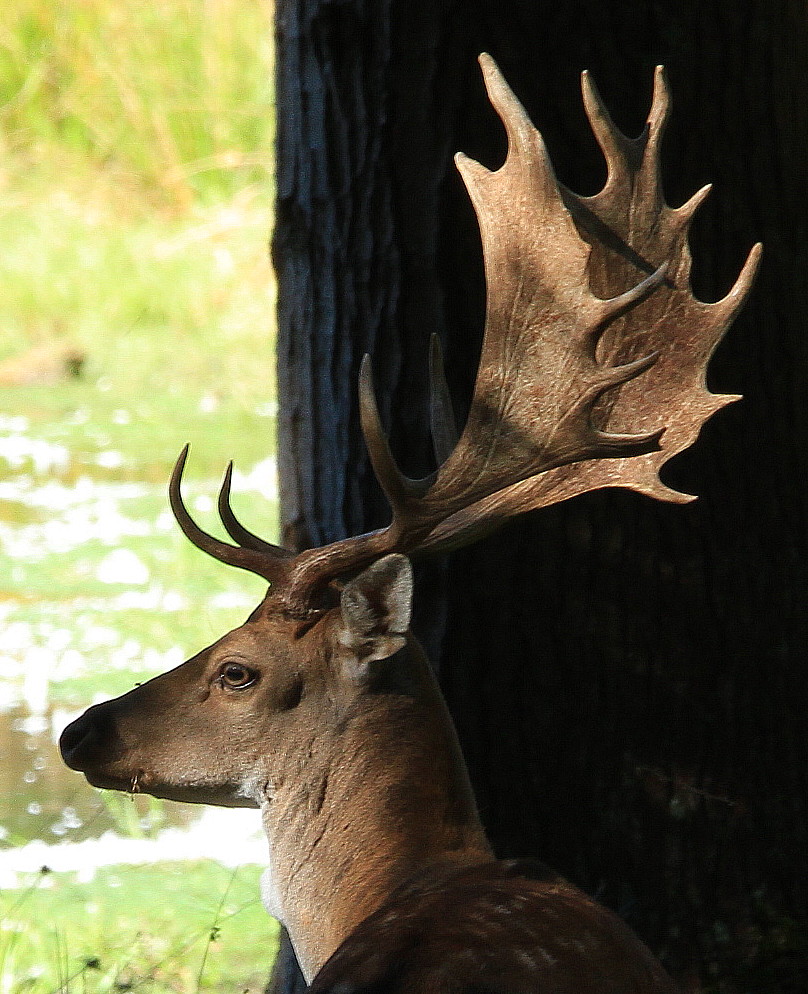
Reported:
(87, 608)
(50, 817)
(41, 799)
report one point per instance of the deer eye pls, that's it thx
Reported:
(236, 676)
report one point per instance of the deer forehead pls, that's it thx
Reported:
(277, 644)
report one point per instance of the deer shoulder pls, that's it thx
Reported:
(535, 933)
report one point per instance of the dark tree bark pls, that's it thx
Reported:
(628, 678)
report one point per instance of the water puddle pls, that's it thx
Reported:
(41, 799)
(232, 837)
(88, 606)
(50, 816)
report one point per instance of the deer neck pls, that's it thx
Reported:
(390, 797)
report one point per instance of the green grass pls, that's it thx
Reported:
(183, 304)
(135, 196)
(135, 211)
(174, 927)
(170, 99)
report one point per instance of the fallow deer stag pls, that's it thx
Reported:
(322, 710)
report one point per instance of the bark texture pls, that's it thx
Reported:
(627, 677)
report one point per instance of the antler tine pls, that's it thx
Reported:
(686, 213)
(660, 112)
(397, 487)
(616, 307)
(518, 127)
(443, 423)
(613, 143)
(243, 558)
(729, 306)
(234, 527)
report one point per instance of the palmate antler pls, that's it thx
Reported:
(630, 230)
(593, 362)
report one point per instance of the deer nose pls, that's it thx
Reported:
(77, 741)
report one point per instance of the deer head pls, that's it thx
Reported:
(321, 709)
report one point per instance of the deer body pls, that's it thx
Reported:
(321, 709)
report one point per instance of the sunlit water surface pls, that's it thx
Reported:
(87, 607)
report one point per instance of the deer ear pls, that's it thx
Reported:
(375, 610)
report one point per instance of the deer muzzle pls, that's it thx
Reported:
(90, 744)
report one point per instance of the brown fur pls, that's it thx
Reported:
(496, 928)
(379, 863)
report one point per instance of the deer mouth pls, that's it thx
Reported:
(106, 782)
(140, 782)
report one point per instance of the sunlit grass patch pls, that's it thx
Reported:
(55, 435)
(135, 201)
(142, 301)
(171, 96)
(162, 928)
(135, 212)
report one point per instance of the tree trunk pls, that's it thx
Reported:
(626, 677)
